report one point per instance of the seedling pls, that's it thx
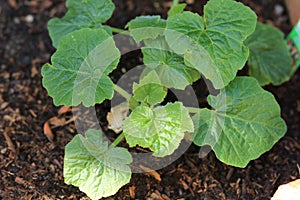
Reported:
(243, 121)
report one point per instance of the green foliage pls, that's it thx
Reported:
(160, 129)
(244, 121)
(149, 91)
(270, 60)
(160, 58)
(98, 170)
(146, 27)
(179, 8)
(80, 68)
(81, 14)
(221, 32)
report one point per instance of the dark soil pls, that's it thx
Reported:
(31, 164)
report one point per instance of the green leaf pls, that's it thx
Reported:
(81, 14)
(98, 170)
(149, 90)
(270, 60)
(170, 67)
(179, 8)
(146, 27)
(80, 67)
(213, 44)
(244, 124)
(160, 129)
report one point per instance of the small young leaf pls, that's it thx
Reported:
(80, 67)
(81, 14)
(96, 169)
(270, 60)
(221, 32)
(146, 27)
(169, 66)
(244, 124)
(160, 129)
(179, 8)
(149, 90)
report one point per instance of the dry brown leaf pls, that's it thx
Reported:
(116, 117)
(151, 172)
(289, 191)
(48, 131)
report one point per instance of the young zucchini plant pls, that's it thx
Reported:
(243, 121)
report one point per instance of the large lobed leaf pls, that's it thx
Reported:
(80, 68)
(270, 60)
(213, 44)
(81, 14)
(98, 170)
(160, 129)
(170, 67)
(244, 124)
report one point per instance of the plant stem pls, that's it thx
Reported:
(117, 140)
(118, 30)
(122, 92)
(193, 110)
(175, 3)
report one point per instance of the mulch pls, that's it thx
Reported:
(31, 163)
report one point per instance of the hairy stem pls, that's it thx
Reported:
(118, 30)
(122, 92)
(117, 140)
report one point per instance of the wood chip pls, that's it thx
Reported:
(34, 72)
(13, 4)
(132, 192)
(3, 105)
(23, 182)
(48, 131)
(10, 145)
(56, 122)
(64, 110)
(298, 105)
(151, 172)
(184, 184)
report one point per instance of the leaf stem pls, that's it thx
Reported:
(122, 92)
(118, 30)
(117, 140)
(193, 110)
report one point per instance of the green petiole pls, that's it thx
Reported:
(122, 92)
(120, 31)
(117, 140)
